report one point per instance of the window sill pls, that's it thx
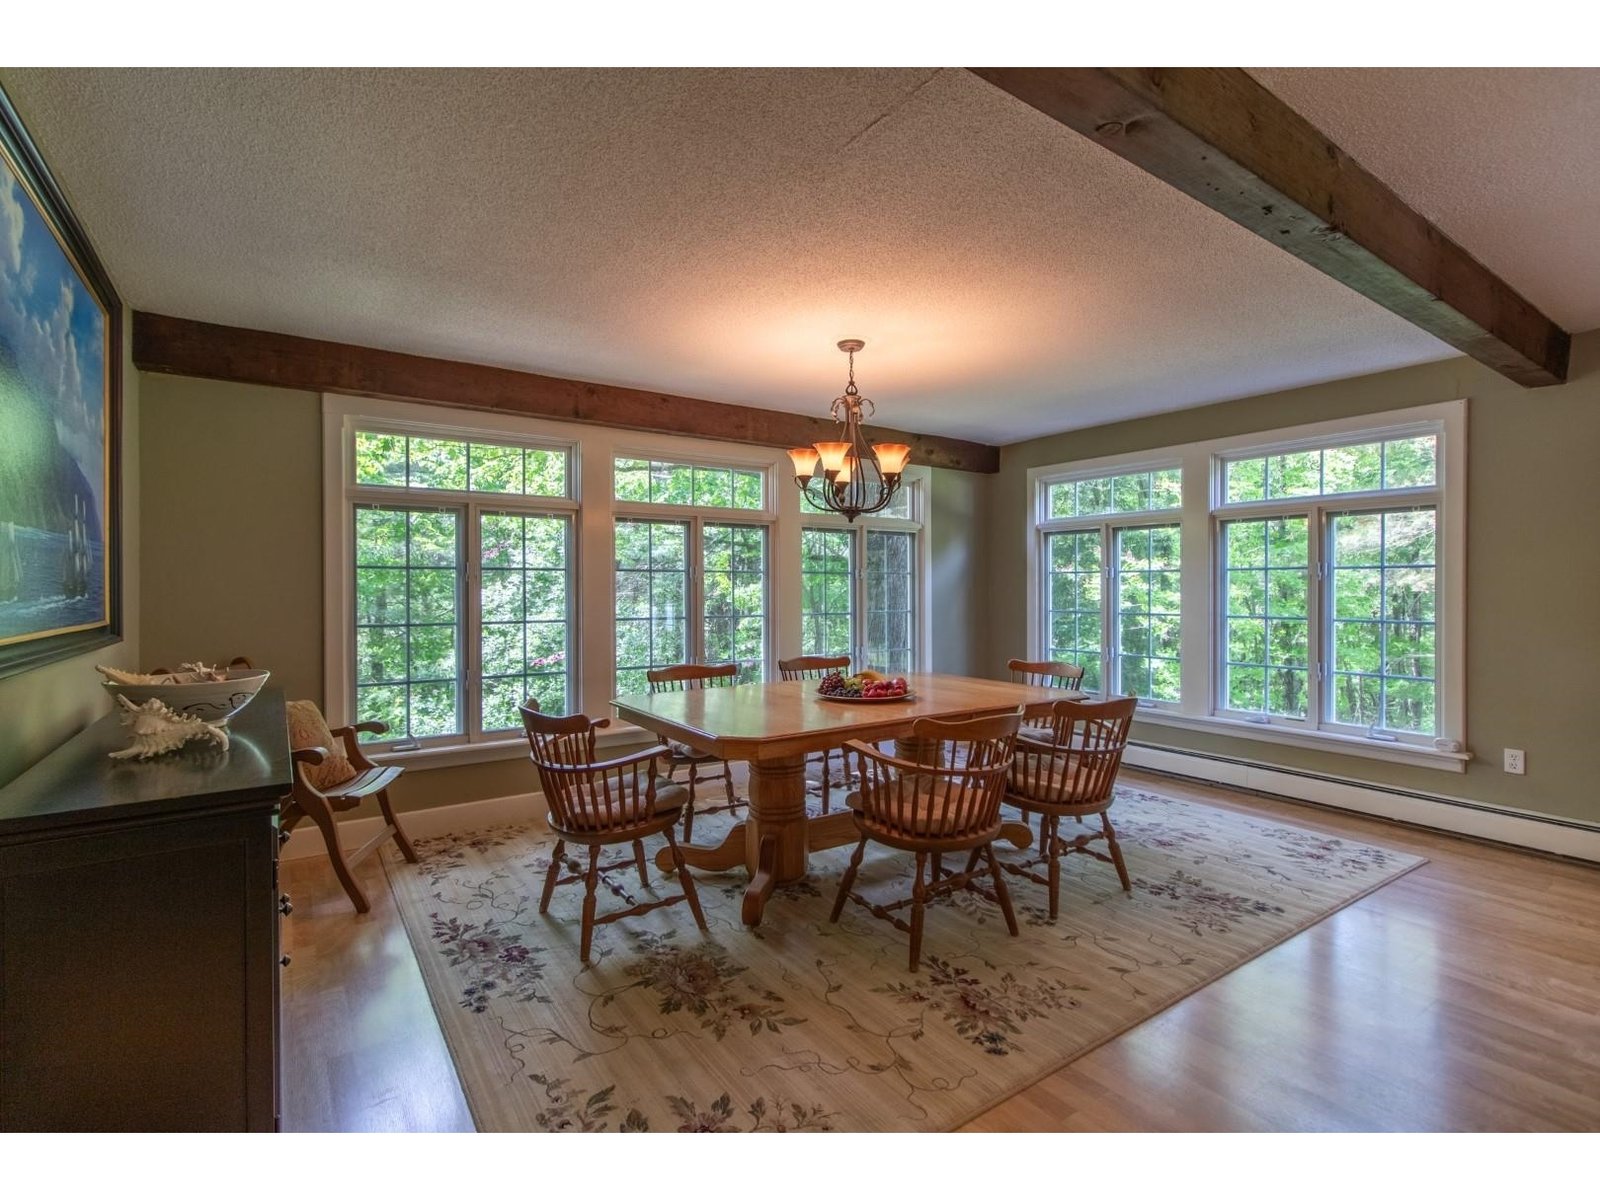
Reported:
(430, 758)
(1332, 743)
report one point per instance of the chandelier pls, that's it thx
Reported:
(857, 476)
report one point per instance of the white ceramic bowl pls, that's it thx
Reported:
(213, 702)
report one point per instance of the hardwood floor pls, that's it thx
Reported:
(1463, 996)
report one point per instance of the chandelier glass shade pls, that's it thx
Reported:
(850, 475)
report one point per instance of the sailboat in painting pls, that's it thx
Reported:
(75, 561)
(10, 563)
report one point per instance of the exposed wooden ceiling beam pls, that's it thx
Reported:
(177, 346)
(1221, 137)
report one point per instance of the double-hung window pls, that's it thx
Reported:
(461, 580)
(861, 583)
(692, 583)
(1111, 554)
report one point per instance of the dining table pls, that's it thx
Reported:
(774, 726)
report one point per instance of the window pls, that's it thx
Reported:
(645, 481)
(827, 589)
(1304, 586)
(891, 588)
(1384, 602)
(1330, 612)
(861, 584)
(462, 585)
(1112, 599)
(1266, 655)
(525, 609)
(652, 599)
(449, 464)
(690, 587)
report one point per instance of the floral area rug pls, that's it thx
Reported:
(800, 1024)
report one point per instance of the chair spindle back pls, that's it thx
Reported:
(1046, 674)
(953, 791)
(812, 666)
(688, 676)
(1087, 739)
(584, 795)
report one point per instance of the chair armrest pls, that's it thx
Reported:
(308, 754)
(350, 735)
(867, 750)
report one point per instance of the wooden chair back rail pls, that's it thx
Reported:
(812, 666)
(687, 676)
(1045, 674)
(1079, 765)
(955, 793)
(595, 797)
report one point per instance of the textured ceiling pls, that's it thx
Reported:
(1507, 162)
(713, 233)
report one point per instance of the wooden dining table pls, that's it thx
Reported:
(773, 726)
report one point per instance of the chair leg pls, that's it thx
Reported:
(827, 757)
(919, 898)
(322, 815)
(849, 879)
(589, 882)
(938, 867)
(400, 838)
(688, 809)
(727, 784)
(1116, 852)
(551, 875)
(685, 882)
(1000, 891)
(638, 861)
(1052, 843)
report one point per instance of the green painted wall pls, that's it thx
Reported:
(1533, 567)
(45, 707)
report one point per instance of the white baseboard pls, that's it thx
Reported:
(306, 840)
(1574, 839)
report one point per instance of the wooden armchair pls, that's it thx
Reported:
(686, 677)
(947, 801)
(815, 666)
(602, 803)
(328, 782)
(1070, 770)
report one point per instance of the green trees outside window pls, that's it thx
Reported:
(1384, 599)
(1149, 612)
(408, 587)
(734, 605)
(1266, 655)
(524, 606)
(652, 599)
(827, 591)
(1074, 603)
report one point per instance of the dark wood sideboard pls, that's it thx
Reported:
(139, 914)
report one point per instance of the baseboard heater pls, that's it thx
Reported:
(1449, 814)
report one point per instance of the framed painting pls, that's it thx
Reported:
(60, 421)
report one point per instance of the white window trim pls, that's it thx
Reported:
(1200, 518)
(595, 449)
(917, 482)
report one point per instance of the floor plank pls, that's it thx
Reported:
(1463, 996)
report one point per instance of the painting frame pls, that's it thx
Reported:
(20, 157)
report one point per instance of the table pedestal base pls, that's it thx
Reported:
(776, 839)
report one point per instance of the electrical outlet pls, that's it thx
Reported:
(1516, 762)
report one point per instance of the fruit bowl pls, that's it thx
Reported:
(213, 701)
(864, 687)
